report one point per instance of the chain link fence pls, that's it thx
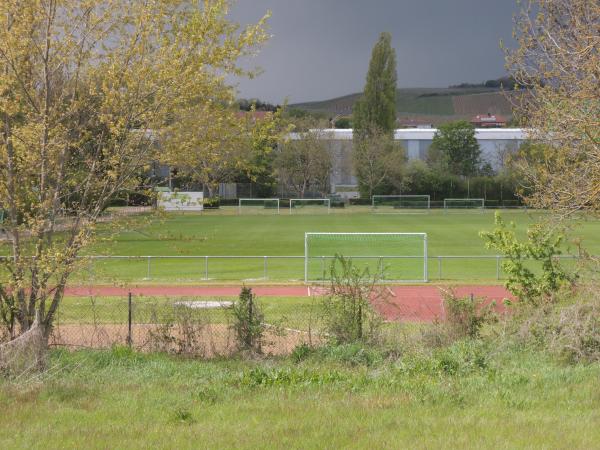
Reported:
(202, 328)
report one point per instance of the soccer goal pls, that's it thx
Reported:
(258, 206)
(396, 257)
(462, 204)
(400, 203)
(309, 205)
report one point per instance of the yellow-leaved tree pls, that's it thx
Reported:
(83, 84)
(557, 60)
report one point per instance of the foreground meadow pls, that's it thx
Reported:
(467, 395)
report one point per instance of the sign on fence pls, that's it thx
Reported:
(181, 201)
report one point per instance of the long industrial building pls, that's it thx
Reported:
(494, 144)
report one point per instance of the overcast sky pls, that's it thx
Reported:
(320, 49)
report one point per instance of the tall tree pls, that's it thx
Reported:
(558, 61)
(374, 120)
(455, 148)
(304, 163)
(376, 109)
(378, 163)
(83, 84)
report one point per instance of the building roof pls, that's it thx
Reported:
(488, 119)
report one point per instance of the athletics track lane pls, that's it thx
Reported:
(411, 303)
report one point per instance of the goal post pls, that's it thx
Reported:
(396, 257)
(258, 205)
(310, 205)
(399, 203)
(463, 204)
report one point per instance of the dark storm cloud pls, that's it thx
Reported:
(320, 48)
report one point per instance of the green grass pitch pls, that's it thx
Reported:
(218, 234)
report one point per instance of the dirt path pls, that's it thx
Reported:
(417, 303)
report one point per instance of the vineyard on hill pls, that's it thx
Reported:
(435, 105)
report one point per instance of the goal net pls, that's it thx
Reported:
(258, 206)
(309, 205)
(400, 203)
(396, 257)
(460, 204)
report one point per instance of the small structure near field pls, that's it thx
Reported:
(181, 201)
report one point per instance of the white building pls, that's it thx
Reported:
(494, 144)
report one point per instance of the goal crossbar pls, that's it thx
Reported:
(369, 252)
(402, 201)
(324, 202)
(257, 202)
(464, 203)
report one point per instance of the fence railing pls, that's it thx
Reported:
(282, 268)
(198, 328)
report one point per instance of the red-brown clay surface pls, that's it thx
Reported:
(413, 303)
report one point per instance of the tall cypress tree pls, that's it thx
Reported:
(374, 119)
(376, 109)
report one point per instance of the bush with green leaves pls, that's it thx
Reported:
(348, 312)
(248, 321)
(543, 246)
(465, 316)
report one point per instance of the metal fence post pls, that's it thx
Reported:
(497, 267)
(91, 268)
(149, 274)
(129, 320)
(206, 267)
(265, 268)
(439, 267)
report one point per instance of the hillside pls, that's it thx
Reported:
(428, 104)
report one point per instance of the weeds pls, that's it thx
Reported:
(248, 322)
(348, 308)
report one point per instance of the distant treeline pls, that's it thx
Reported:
(246, 105)
(502, 82)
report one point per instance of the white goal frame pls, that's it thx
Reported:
(425, 256)
(477, 208)
(256, 200)
(325, 201)
(428, 197)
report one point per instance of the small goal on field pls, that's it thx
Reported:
(258, 206)
(396, 257)
(400, 203)
(309, 205)
(464, 204)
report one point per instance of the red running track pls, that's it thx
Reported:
(415, 303)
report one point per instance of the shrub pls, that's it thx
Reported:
(543, 246)
(576, 332)
(212, 203)
(182, 331)
(465, 316)
(248, 322)
(571, 331)
(348, 312)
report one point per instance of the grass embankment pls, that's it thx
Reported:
(469, 395)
